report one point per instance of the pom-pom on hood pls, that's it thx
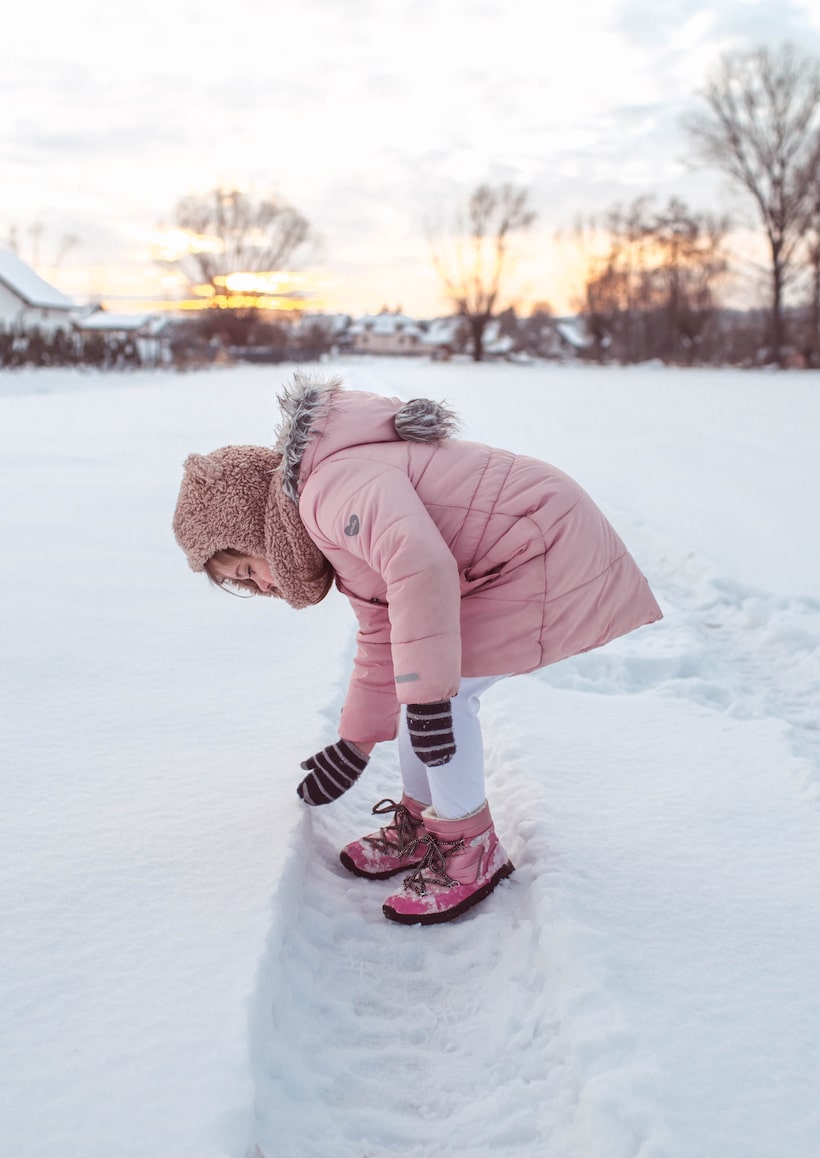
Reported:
(422, 420)
(246, 497)
(319, 418)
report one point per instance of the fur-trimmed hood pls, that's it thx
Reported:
(247, 497)
(306, 432)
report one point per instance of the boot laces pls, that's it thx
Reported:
(433, 864)
(403, 825)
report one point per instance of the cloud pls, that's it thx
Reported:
(727, 24)
(652, 23)
(763, 24)
(370, 118)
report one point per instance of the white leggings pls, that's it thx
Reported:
(455, 789)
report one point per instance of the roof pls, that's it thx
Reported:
(102, 320)
(571, 330)
(386, 325)
(29, 286)
(443, 331)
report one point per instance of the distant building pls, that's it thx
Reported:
(447, 336)
(150, 334)
(438, 338)
(444, 337)
(386, 333)
(27, 302)
(573, 334)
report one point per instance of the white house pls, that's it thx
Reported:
(27, 301)
(386, 333)
(148, 332)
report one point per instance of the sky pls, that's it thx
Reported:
(374, 119)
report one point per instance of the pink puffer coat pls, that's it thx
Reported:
(459, 559)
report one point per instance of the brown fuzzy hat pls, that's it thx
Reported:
(233, 498)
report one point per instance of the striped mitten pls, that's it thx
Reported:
(430, 727)
(332, 772)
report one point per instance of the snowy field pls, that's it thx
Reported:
(186, 970)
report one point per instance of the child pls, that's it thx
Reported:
(463, 563)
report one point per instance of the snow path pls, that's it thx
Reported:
(633, 991)
(393, 1041)
(187, 972)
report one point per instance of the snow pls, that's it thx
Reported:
(29, 286)
(385, 325)
(186, 970)
(103, 320)
(442, 331)
(571, 330)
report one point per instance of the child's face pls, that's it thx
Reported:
(248, 567)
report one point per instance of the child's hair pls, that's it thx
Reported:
(226, 557)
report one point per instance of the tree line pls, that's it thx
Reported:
(655, 275)
(654, 289)
(60, 347)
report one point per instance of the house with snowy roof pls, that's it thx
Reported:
(386, 333)
(27, 301)
(149, 333)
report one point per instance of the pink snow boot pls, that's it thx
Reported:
(381, 854)
(463, 862)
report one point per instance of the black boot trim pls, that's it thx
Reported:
(457, 910)
(382, 876)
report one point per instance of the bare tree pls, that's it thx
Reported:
(690, 266)
(652, 292)
(762, 128)
(233, 232)
(473, 261)
(811, 345)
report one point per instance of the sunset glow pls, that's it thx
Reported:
(281, 304)
(172, 244)
(101, 145)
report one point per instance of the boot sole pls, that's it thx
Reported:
(457, 910)
(352, 867)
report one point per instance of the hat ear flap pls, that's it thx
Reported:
(203, 468)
